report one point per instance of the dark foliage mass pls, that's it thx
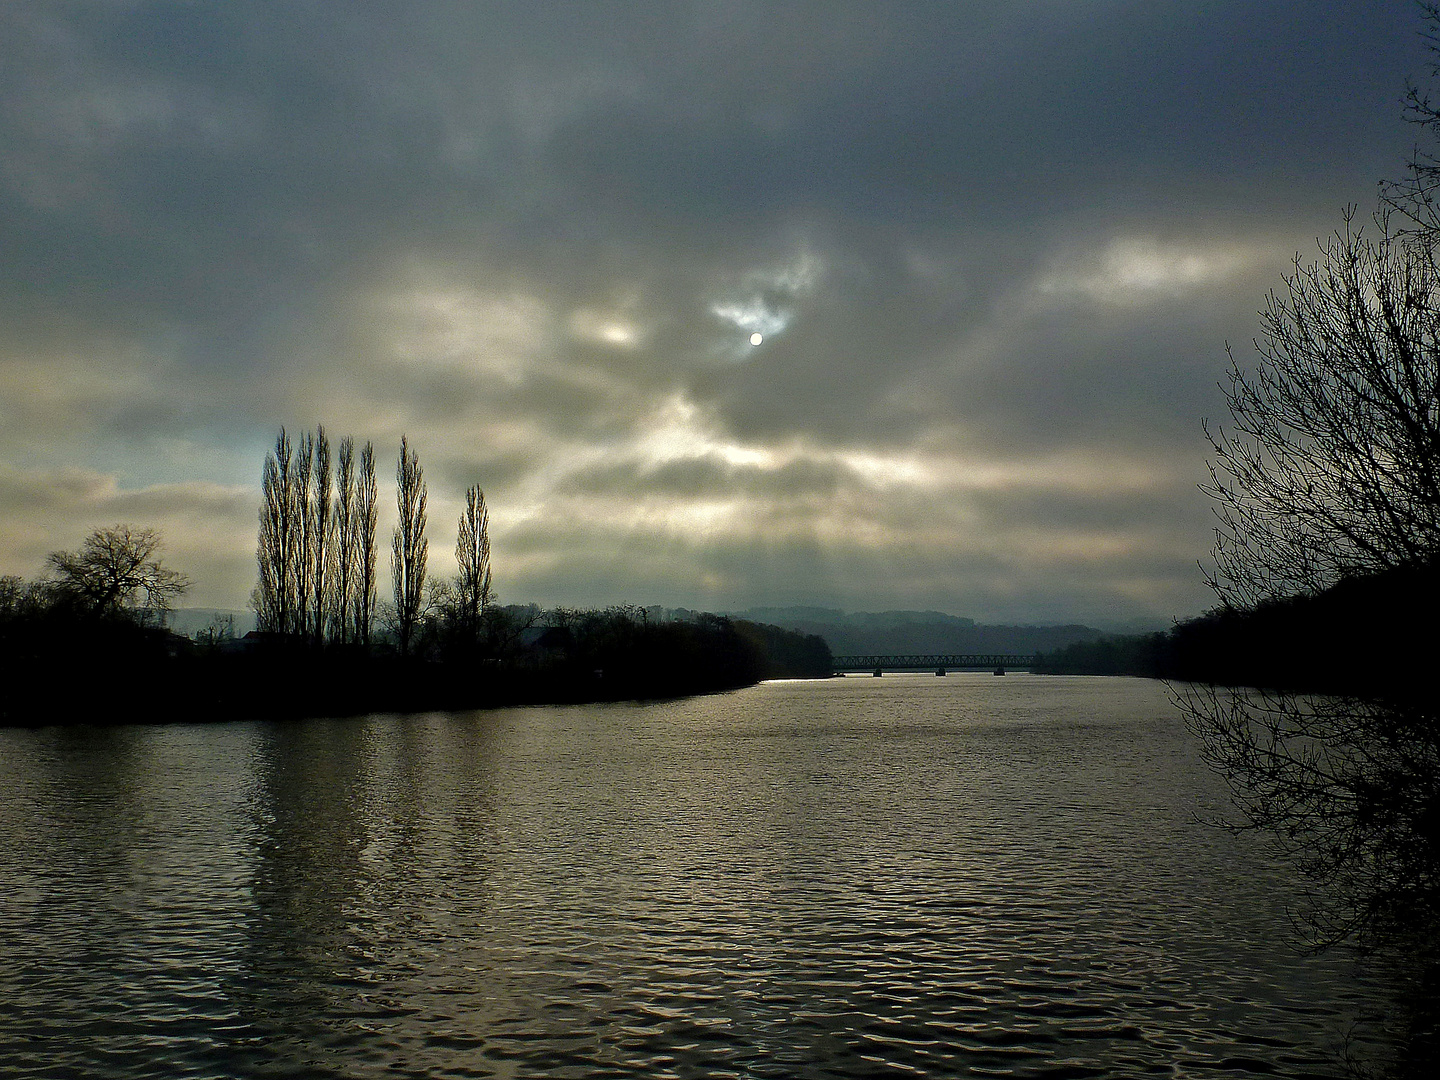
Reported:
(1145, 655)
(1366, 636)
(788, 654)
(63, 664)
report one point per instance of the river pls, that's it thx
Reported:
(908, 876)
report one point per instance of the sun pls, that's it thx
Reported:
(755, 339)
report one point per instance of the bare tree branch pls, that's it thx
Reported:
(118, 570)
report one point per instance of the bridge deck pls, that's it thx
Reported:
(936, 661)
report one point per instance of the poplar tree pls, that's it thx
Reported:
(409, 549)
(346, 562)
(321, 529)
(275, 551)
(304, 515)
(316, 548)
(363, 597)
(472, 555)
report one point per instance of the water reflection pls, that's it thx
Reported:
(373, 842)
(307, 831)
(943, 877)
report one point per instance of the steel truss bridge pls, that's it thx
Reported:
(940, 663)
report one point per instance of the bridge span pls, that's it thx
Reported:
(940, 663)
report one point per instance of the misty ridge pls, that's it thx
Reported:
(847, 633)
(917, 631)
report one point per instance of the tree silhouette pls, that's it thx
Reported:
(303, 510)
(342, 584)
(322, 533)
(117, 570)
(275, 552)
(1331, 467)
(366, 495)
(472, 555)
(316, 547)
(409, 549)
(1329, 478)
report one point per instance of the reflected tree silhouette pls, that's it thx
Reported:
(353, 824)
(296, 963)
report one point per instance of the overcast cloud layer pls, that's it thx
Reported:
(994, 252)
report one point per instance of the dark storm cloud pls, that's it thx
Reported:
(994, 253)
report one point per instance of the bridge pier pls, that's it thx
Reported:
(879, 672)
(940, 670)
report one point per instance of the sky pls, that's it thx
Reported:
(994, 253)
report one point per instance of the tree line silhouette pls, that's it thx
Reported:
(1358, 637)
(87, 642)
(316, 552)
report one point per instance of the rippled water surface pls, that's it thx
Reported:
(905, 876)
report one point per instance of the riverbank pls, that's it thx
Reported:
(120, 673)
(1359, 638)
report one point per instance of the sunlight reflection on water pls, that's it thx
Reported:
(859, 877)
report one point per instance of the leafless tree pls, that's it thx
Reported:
(409, 548)
(1331, 467)
(116, 570)
(321, 529)
(363, 600)
(472, 555)
(274, 550)
(304, 499)
(316, 551)
(217, 632)
(13, 592)
(346, 531)
(1416, 196)
(1330, 473)
(1349, 787)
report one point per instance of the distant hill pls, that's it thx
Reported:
(187, 622)
(846, 633)
(916, 631)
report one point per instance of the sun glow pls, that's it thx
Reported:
(606, 328)
(1135, 270)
